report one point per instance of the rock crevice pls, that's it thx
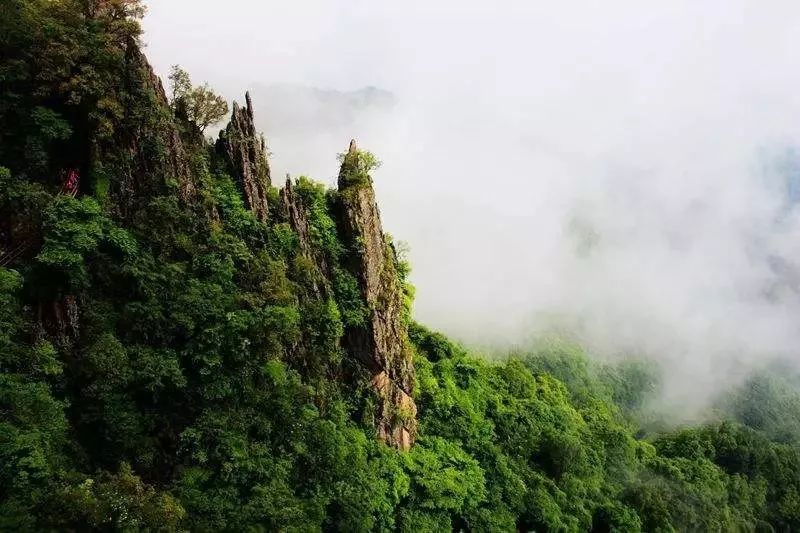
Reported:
(297, 215)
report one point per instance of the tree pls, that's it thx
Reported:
(180, 82)
(200, 105)
(116, 9)
(120, 18)
(356, 166)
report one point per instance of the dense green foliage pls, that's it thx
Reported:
(206, 390)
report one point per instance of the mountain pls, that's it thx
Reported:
(187, 344)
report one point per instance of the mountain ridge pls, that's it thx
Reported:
(185, 345)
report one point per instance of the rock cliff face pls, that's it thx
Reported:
(246, 154)
(381, 344)
(176, 162)
(146, 149)
(142, 156)
(297, 215)
(59, 321)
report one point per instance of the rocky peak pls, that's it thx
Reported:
(246, 153)
(381, 344)
(133, 138)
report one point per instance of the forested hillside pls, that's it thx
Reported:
(187, 345)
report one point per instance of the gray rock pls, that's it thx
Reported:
(246, 154)
(381, 345)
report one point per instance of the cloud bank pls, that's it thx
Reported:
(622, 171)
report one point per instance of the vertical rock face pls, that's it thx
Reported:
(246, 153)
(58, 321)
(297, 216)
(381, 344)
(177, 161)
(146, 146)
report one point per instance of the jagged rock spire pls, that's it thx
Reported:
(146, 170)
(381, 344)
(246, 153)
(297, 215)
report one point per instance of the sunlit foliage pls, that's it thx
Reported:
(205, 387)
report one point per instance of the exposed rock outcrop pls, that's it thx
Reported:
(381, 344)
(297, 216)
(58, 321)
(146, 147)
(177, 164)
(246, 154)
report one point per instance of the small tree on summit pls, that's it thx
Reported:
(201, 104)
(356, 165)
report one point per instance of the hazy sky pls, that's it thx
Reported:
(615, 168)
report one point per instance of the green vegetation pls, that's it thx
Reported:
(356, 167)
(169, 364)
(199, 104)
